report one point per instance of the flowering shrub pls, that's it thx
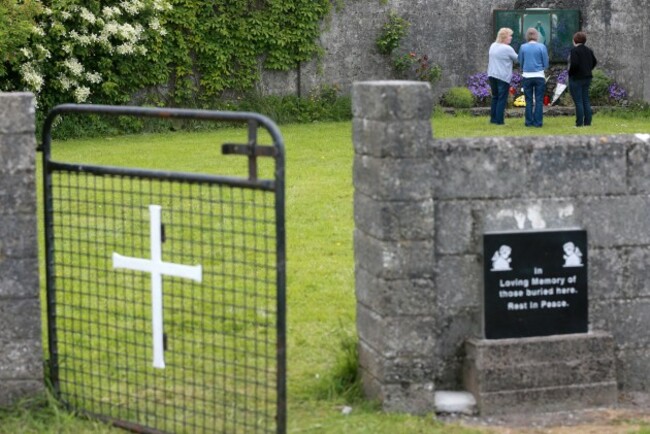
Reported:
(16, 22)
(617, 93)
(604, 90)
(108, 50)
(479, 85)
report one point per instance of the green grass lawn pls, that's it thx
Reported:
(320, 268)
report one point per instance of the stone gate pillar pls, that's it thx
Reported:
(21, 354)
(393, 242)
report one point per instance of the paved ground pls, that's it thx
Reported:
(631, 415)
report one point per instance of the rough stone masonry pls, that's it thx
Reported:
(21, 355)
(421, 206)
(457, 35)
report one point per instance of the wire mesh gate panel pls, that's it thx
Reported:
(166, 290)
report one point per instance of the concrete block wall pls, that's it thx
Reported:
(21, 354)
(422, 206)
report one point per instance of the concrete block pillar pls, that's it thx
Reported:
(21, 353)
(393, 242)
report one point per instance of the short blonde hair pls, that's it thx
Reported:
(502, 34)
(532, 34)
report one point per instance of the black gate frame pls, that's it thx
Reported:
(251, 149)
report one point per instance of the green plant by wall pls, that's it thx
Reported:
(599, 90)
(458, 97)
(391, 33)
(327, 104)
(411, 65)
(344, 379)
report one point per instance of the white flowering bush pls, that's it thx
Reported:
(17, 20)
(100, 51)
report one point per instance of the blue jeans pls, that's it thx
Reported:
(499, 98)
(534, 112)
(580, 93)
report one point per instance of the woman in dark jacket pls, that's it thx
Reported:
(581, 62)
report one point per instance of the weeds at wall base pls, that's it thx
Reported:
(343, 381)
(323, 105)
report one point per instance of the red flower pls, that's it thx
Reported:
(513, 90)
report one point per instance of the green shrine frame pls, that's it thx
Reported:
(556, 28)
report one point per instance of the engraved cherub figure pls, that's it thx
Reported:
(501, 258)
(572, 255)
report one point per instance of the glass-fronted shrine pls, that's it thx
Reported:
(556, 28)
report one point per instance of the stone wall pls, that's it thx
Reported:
(422, 205)
(21, 355)
(456, 34)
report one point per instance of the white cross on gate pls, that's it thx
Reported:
(157, 268)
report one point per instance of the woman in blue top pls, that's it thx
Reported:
(500, 60)
(533, 59)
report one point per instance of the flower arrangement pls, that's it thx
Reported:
(520, 101)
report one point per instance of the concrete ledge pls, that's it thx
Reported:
(542, 373)
(549, 399)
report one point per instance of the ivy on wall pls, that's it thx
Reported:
(222, 44)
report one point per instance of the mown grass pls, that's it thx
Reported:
(465, 125)
(320, 281)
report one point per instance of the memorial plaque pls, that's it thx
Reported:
(535, 283)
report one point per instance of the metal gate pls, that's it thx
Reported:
(166, 290)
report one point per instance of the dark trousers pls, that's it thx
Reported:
(534, 111)
(579, 90)
(499, 98)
